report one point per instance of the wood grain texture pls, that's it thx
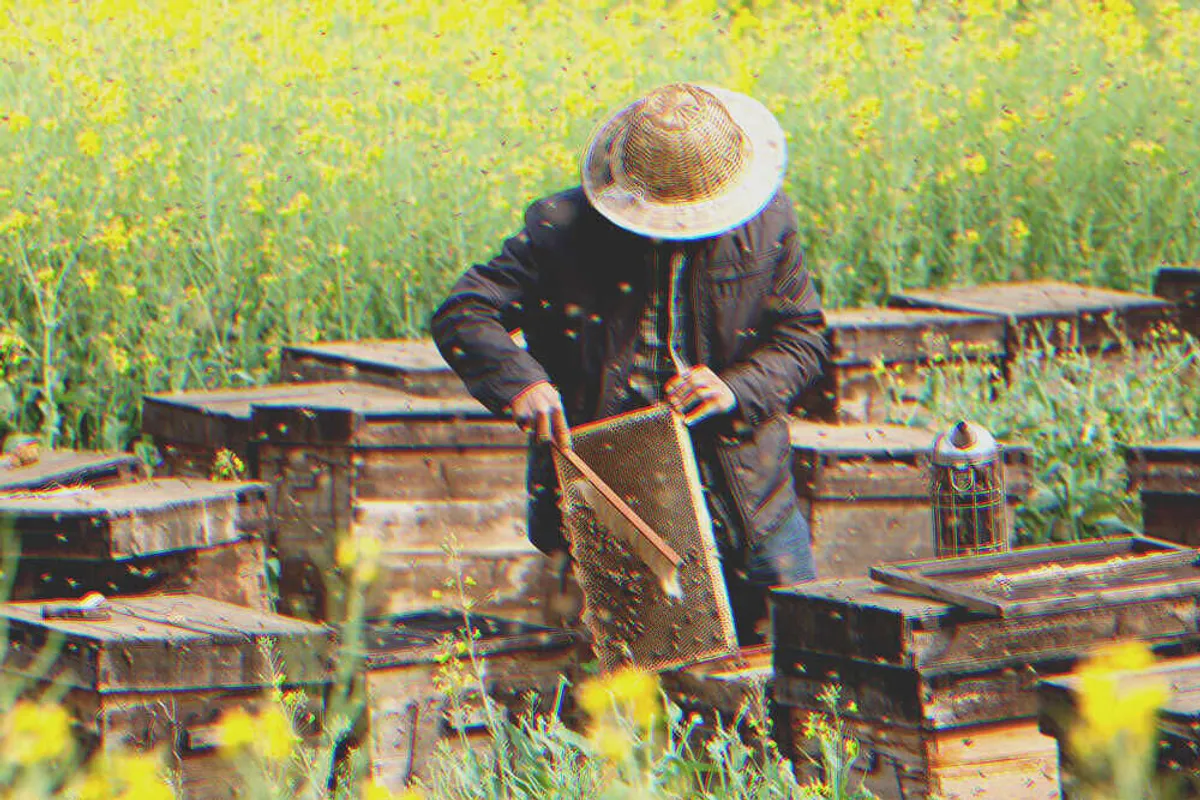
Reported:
(57, 469)
(413, 365)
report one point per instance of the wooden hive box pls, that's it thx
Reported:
(903, 340)
(154, 672)
(1167, 476)
(945, 697)
(723, 690)
(413, 365)
(407, 471)
(1027, 305)
(66, 468)
(1181, 286)
(190, 428)
(1178, 756)
(864, 489)
(162, 534)
(409, 706)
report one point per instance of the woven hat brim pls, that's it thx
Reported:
(758, 183)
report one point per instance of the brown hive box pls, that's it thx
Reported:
(1025, 306)
(407, 471)
(1167, 475)
(162, 534)
(190, 428)
(907, 342)
(945, 698)
(411, 706)
(64, 468)
(413, 365)
(1181, 286)
(1178, 756)
(725, 690)
(865, 491)
(154, 672)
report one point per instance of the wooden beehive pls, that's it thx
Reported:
(1167, 476)
(1181, 286)
(406, 471)
(161, 534)
(1178, 756)
(413, 365)
(57, 469)
(904, 341)
(413, 702)
(159, 672)
(1090, 313)
(190, 428)
(944, 698)
(864, 489)
(725, 690)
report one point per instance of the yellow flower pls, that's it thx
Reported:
(1044, 156)
(36, 732)
(1114, 710)
(976, 164)
(237, 730)
(18, 121)
(612, 742)
(276, 736)
(629, 691)
(377, 791)
(299, 202)
(88, 142)
(1018, 229)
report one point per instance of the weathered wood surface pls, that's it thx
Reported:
(234, 573)
(727, 686)
(408, 713)
(1052, 578)
(1026, 305)
(995, 761)
(632, 617)
(851, 536)
(862, 620)
(136, 519)
(1173, 517)
(1167, 467)
(413, 365)
(468, 524)
(1181, 285)
(166, 643)
(906, 341)
(58, 469)
(909, 697)
(861, 461)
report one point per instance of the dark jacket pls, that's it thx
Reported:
(576, 284)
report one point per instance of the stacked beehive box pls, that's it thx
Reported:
(939, 670)
(1167, 476)
(1181, 286)
(399, 455)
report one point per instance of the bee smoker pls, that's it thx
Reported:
(967, 493)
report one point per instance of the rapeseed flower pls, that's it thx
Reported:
(34, 733)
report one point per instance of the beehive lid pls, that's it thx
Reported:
(878, 441)
(361, 413)
(859, 336)
(219, 418)
(1039, 580)
(63, 468)
(421, 637)
(1027, 300)
(725, 684)
(1184, 449)
(166, 642)
(645, 457)
(127, 520)
(402, 356)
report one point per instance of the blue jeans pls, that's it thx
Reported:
(783, 558)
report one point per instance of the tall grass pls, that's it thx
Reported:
(187, 184)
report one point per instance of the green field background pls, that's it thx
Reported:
(187, 185)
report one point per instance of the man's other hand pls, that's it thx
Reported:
(699, 393)
(538, 409)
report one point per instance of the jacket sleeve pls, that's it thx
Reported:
(788, 360)
(472, 326)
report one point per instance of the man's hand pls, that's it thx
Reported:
(538, 408)
(698, 394)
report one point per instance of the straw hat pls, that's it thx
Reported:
(685, 162)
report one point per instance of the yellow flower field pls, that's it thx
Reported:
(188, 183)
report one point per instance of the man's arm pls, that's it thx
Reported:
(472, 326)
(789, 359)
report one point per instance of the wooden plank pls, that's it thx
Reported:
(724, 686)
(860, 336)
(857, 619)
(413, 365)
(1055, 577)
(221, 417)
(433, 523)
(1181, 285)
(58, 469)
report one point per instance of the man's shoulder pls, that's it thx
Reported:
(563, 210)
